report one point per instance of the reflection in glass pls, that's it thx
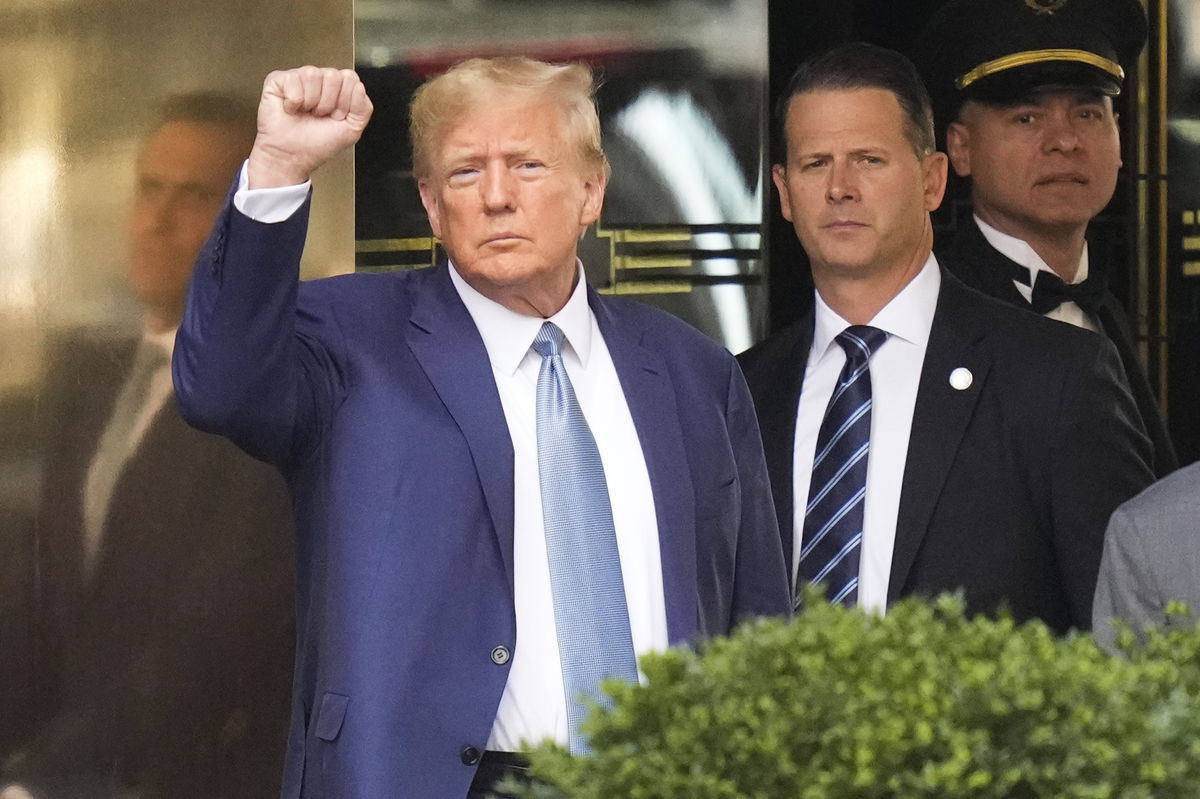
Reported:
(145, 568)
(162, 611)
(682, 107)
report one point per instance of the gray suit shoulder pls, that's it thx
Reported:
(1151, 558)
(1169, 503)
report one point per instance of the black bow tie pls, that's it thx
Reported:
(1049, 290)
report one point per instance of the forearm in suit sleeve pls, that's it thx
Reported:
(1100, 457)
(246, 364)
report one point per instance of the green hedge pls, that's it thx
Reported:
(921, 703)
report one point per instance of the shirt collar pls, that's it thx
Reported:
(164, 340)
(1019, 251)
(508, 335)
(908, 316)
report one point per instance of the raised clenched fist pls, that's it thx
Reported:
(305, 117)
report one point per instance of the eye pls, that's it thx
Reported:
(198, 194)
(872, 160)
(148, 187)
(813, 163)
(462, 176)
(1026, 118)
(529, 166)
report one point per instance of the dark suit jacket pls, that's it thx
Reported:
(168, 670)
(981, 266)
(1008, 484)
(376, 396)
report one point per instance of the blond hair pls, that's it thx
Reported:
(442, 100)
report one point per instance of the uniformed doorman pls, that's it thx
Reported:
(1027, 88)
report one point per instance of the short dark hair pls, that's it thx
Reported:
(860, 65)
(238, 113)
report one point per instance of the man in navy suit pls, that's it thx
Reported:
(402, 409)
(999, 442)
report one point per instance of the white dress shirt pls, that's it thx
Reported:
(895, 374)
(530, 710)
(533, 707)
(1020, 252)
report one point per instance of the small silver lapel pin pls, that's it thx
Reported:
(961, 378)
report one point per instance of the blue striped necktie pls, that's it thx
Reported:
(590, 614)
(833, 518)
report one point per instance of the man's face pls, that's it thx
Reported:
(853, 187)
(509, 196)
(183, 172)
(1044, 166)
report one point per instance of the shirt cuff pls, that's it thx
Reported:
(276, 204)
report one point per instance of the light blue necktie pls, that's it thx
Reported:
(592, 620)
(833, 519)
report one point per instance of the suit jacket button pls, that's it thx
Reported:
(469, 756)
(501, 655)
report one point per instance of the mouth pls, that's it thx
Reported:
(1060, 178)
(503, 239)
(844, 224)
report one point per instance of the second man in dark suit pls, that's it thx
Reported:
(950, 441)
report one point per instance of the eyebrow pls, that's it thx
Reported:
(857, 151)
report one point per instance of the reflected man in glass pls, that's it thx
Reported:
(165, 619)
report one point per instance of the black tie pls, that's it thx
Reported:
(1049, 290)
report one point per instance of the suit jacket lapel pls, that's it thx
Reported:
(67, 588)
(443, 338)
(777, 409)
(940, 418)
(651, 397)
(981, 265)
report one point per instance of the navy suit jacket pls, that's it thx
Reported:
(1009, 483)
(375, 396)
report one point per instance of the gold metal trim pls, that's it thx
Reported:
(649, 287)
(1143, 235)
(651, 236)
(653, 262)
(1037, 57)
(394, 245)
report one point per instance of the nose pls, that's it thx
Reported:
(842, 185)
(155, 211)
(1060, 133)
(498, 189)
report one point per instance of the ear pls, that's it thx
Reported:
(933, 179)
(594, 185)
(779, 176)
(429, 199)
(958, 145)
(1117, 127)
